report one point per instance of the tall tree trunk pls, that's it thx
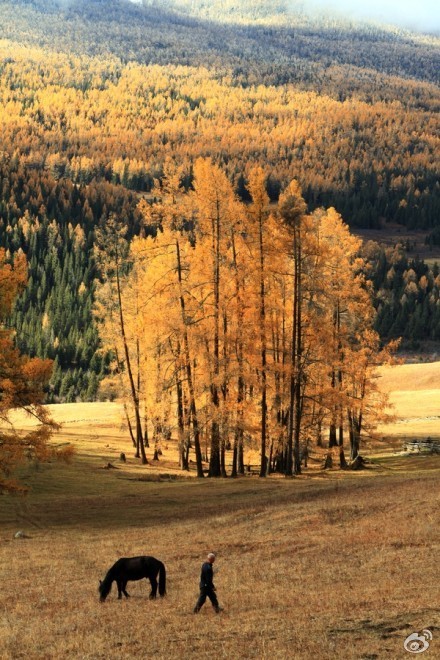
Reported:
(292, 208)
(355, 434)
(237, 467)
(224, 389)
(146, 440)
(293, 362)
(135, 398)
(188, 369)
(342, 461)
(237, 457)
(336, 432)
(263, 469)
(214, 459)
(355, 420)
(269, 462)
(340, 409)
(299, 350)
(332, 435)
(319, 433)
(130, 428)
(181, 421)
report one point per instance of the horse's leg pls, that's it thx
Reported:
(124, 584)
(153, 582)
(120, 588)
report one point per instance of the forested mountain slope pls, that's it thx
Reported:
(282, 47)
(96, 95)
(353, 113)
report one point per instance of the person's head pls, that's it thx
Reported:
(211, 557)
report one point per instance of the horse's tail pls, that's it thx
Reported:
(106, 585)
(162, 579)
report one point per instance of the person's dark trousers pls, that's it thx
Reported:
(207, 592)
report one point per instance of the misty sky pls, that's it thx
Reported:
(417, 14)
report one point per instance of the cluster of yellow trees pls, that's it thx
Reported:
(239, 325)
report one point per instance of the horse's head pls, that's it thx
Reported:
(100, 589)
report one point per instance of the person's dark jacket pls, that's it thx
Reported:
(206, 577)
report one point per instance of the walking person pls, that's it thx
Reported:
(207, 589)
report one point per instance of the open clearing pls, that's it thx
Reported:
(326, 565)
(414, 391)
(392, 234)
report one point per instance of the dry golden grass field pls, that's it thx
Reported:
(326, 565)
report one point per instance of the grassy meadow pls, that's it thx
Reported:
(326, 565)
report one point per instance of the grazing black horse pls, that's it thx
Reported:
(134, 568)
